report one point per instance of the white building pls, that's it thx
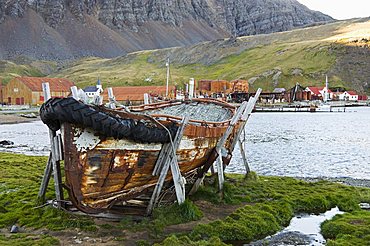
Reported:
(348, 96)
(93, 91)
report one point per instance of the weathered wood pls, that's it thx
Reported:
(220, 172)
(46, 178)
(56, 171)
(244, 156)
(46, 91)
(55, 156)
(219, 145)
(169, 159)
(74, 91)
(111, 98)
(246, 114)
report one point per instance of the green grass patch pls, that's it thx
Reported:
(348, 229)
(269, 204)
(9, 70)
(25, 239)
(273, 201)
(20, 179)
(313, 58)
(186, 241)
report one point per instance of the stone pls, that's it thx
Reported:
(6, 142)
(14, 229)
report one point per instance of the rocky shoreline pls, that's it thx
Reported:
(14, 119)
(342, 180)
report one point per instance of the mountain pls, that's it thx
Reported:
(61, 30)
(340, 49)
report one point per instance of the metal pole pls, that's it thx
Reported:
(168, 75)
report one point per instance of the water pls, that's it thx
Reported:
(308, 144)
(304, 229)
(285, 144)
(310, 225)
(31, 138)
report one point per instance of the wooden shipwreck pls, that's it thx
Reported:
(120, 158)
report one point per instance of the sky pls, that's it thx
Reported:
(340, 9)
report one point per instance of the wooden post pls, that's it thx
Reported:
(54, 159)
(46, 178)
(111, 98)
(244, 118)
(74, 91)
(167, 157)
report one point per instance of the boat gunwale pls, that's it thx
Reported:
(137, 111)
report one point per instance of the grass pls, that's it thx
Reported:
(20, 178)
(272, 203)
(27, 239)
(311, 58)
(348, 229)
(266, 205)
(9, 70)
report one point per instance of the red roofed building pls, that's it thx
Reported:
(317, 93)
(135, 94)
(28, 90)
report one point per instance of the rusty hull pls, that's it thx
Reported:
(101, 172)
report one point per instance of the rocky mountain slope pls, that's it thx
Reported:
(69, 29)
(341, 50)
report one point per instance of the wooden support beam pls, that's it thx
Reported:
(220, 172)
(166, 159)
(56, 170)
(46, 178)
(244, 156)
(111, 98)
(218, 156)
(244, 118)
(74, 91)
(54, 159)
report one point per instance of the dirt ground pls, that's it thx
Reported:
(116, 236)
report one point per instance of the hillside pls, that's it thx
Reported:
(339, 49)
(62, 30)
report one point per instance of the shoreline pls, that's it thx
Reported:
(15, 119)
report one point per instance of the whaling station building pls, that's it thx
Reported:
(134, 95)
(28, 90)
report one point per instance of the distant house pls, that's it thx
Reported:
(93, 91)
(213, 86)
(349, 96)
(279, 90)
(297, 93)
(135, 94)
(28, 90)
(239, 85)
(363, 97)
(318, 93)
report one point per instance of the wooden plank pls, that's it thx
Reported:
(55, 156)
(244, 156)
(74, 91)
(220, 172)
(170, 159)
(56, 171)
(246, 114)
(111, 98)
(46, 178)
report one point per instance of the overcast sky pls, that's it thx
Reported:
(340, 9)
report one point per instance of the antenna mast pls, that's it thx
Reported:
(168, 75)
